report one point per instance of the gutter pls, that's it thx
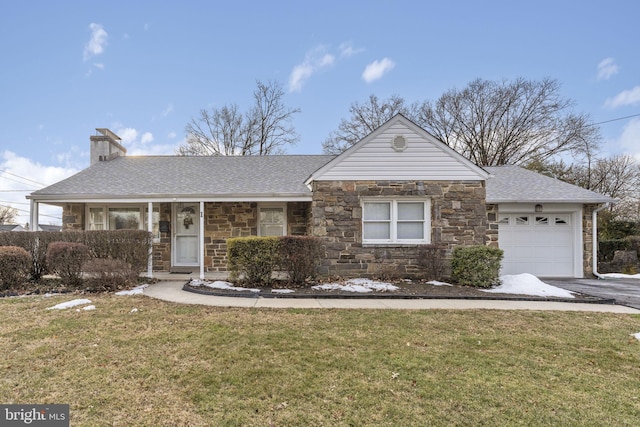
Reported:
(594, 239)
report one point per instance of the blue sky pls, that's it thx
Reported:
(144, 69)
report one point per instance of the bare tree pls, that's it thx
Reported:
(617, 177)
(489, 122)
(264, 129)
(8, 214)
(496, 123)
(365, 118)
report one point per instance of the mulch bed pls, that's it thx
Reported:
(408, 290)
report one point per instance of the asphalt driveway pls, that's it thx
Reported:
(624, 291)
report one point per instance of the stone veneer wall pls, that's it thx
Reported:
(492, 226)
(587, 239)
(73, 216)
(458, 217)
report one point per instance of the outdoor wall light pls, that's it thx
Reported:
(538, 208)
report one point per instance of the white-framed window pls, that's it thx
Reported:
(122, 217)
(399, 220)
(272, 219)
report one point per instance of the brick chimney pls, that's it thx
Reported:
(105, 146)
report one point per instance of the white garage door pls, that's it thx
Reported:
(540, 244)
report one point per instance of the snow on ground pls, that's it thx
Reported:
(436, 283)
(357, 285)
(138, 290)
(219, 284)
(528, 284)
(69, 304)
(621, 276)
(282, 291)
(636, 336)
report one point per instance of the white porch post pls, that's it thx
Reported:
(150, 230)
(34, 215)
(201, 244)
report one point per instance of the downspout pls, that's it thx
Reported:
(594, 239)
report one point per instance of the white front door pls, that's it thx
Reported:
(186, 224)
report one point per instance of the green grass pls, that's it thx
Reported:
(170, 364)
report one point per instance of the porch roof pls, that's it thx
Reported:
(207, 177)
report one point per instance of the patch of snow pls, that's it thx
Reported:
(219, 284)
(621, 276)
(138, 290)
(282, 291)
(636, 335)
(89, 308)
(357, 285)
(528, 284)
(134, 310)
(69, 304)
(436, 283)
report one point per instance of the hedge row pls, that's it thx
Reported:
(129, 246)
(255, 259)
(607, 248)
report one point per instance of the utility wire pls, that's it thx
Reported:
(21, 177)
(24, 210)
(613, 120)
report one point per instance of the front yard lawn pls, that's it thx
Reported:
(138, 361)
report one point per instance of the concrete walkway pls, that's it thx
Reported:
(172, 291)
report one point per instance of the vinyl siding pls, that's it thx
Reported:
(425, 158)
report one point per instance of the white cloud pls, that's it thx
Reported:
(168, 110)
(626, 97)
(347, 50)
(25, 176)
(140, 144)
(628, 139)
(607, 68)
(315, 60)
(172, 135)
(377, 69)
(146, 138)
(96, 44)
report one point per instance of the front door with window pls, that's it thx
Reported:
(186, 234)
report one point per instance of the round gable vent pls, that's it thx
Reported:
(399, 143)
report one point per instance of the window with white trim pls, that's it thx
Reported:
(127, 217)
(396, 221)
(272, 220)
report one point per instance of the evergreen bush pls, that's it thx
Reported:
(476, 266)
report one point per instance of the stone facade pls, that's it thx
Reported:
(458, 217)
(587, 239)
(221, 221)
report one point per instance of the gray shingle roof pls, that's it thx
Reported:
(512, 184)
(187, 176)
(158, 176)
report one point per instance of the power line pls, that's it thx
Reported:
(24, 210)
(614, 120)
(21, 177)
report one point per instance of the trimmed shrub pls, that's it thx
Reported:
(254, 259)
(107, 274)
(477, 266)
(299, 257)
(432, 259)
(35, 243)
(66, 260)
(15, 263)
(608, 248)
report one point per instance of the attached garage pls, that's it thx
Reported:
(544, 225)
(543, 244)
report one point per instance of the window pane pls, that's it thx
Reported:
(156, 221)
(124, 218)
(96, 219)
(410, 230)
(377, 211)
(410, 211)
(271, 221)
(376, 231)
